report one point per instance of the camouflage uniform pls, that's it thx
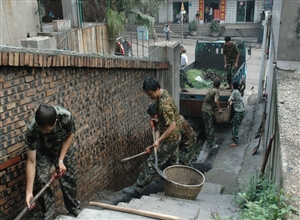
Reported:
(47, 148)
(207, 115)
(167, 113)
(239, 113)
(187, 147)
(231, 52)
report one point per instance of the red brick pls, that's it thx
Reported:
(61, 60)
(15, 147)
(40, 60)
(2, 187)
(21, 59)
(18, 166)
(50, 92)
(26, 59)
(49, 61)
(30, 92)
(44, 60)
(29, 78)
(15, 180)
(4, 200)
(31, 59)
(10, 162)
(25, 101)
(5, 58)
(16, 59)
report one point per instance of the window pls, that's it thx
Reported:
(245, 11)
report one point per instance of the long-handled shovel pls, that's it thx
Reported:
(159, 171)
(53, 177)
(134, 156)
(155, 148)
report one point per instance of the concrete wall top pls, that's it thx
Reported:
(10, 56)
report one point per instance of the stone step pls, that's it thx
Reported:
(222, 205)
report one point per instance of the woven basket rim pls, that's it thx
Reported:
(179, 184)
(222, 117)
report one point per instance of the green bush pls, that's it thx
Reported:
(261, 199)
(193, 25)
(215, 27)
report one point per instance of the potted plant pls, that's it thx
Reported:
(215, 28)
(193, 27)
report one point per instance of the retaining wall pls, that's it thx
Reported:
(104, 95)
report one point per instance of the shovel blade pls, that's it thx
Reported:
(160, 172)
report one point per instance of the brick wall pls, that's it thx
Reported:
(106, 98)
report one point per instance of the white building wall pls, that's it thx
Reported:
(230, 15)
(166, 11)
(17, 18)
(193, 8)
(258, 10)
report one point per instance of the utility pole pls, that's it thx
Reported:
(182, 12)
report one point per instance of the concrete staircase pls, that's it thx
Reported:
(211, 203)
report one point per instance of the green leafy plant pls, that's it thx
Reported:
(192, 74)
(193, 25)
(215, 27)
(261, 199)
(115, 23)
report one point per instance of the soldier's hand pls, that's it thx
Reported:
(149, 149)
(29, 197)
(235, 65)
(61, 167)
(157, 143)
(225, 66)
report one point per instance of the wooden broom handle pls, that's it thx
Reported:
(135, 211)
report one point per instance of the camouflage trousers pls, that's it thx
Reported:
(187, 153)
(184, 80)
(68, 181)
(235, 125)
(209, 128)
(167, 153)
(230, 72)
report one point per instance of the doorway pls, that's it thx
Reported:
(177, 10)
(245, 11)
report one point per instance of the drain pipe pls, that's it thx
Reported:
(263, 60)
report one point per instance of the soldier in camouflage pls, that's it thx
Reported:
(48, 139)
(236, 100)
(169, 126)
(211, 100)
(231, 59)
(188, 144)
(184, 80)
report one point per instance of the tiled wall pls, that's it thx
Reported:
(166, 11)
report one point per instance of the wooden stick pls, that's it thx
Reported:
(155, 148)
(267, 154)
(135, 211)
(134, 156)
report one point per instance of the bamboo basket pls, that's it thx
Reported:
(222, 117)
(185, 182)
